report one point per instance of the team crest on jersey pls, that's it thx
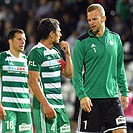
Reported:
(111, 43)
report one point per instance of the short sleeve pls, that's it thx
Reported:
(34, 60)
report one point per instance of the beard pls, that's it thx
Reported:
(96, 30)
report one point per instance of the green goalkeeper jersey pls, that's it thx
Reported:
(101, 59)
(14, 82)
(48, 63)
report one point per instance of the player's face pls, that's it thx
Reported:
(18, 42)
(57, 35)
(95, 20)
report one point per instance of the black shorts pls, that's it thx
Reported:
(106, 115)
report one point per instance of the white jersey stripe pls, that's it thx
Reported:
(50, 74)
(14, 79)
(52, 85)
(54, 96)
(15, 89)
(16, 100)
(57, 106)
(17, 109)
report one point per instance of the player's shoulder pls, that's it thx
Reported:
(37, 49)
(4, 54)
(113, 33)
(84, 36)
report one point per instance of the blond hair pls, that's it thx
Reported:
(98, 7)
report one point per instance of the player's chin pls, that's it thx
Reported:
(57, 41)
(21, 50)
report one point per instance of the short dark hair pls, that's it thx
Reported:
(47, 25)
(12, 33)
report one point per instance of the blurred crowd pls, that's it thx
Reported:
(25, 14)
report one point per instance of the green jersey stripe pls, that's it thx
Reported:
(13, 94)
(55, 68)
(26, 106)
(51, 80)
(53, 91)
(16, 84)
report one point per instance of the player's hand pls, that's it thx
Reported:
(124, 102)
(2, 112)
(49, 112)
(65, 47)
(86, 104)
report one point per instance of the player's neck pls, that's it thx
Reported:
(101, 31)
(47, 44)
(15, 53)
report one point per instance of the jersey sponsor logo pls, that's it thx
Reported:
(16, 68)
(24, 127)
(54, 62)
(94, 47)
(120, 120)
(65, 128)
(111, 43)
(31, 63)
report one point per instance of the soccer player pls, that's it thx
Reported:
(99, 54)
(45, 65)
(15, 112)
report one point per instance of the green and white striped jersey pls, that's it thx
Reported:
(14, 80)
(48, 63)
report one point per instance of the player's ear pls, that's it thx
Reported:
(103, 18)
(10, 41)
(51, 34)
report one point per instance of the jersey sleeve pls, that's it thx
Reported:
(121, 78)
(34, 60)
(77, 59)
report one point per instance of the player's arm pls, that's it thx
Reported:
(67, 71)
(2, 111)
(121, 77)
(78, 57)
(35, 87)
